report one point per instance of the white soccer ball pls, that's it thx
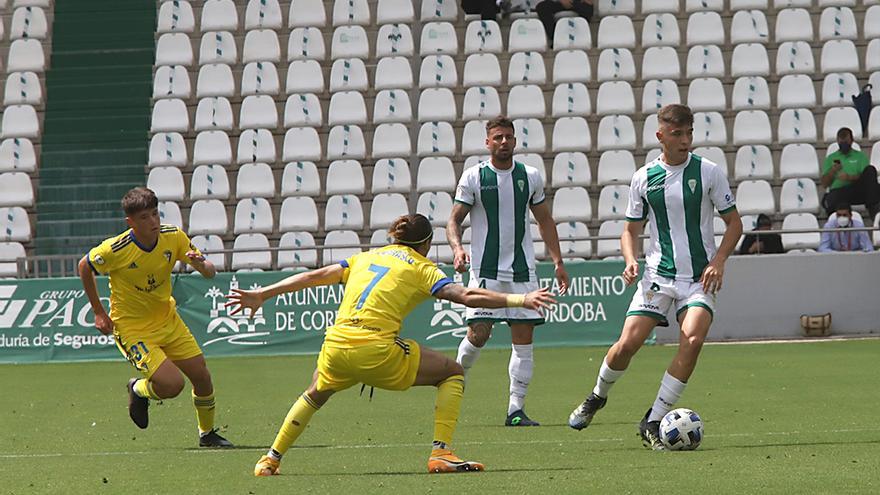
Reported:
(681, 429)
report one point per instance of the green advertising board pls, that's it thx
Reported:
(51, 320)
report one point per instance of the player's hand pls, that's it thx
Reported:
(461, 260)
(103, 323)
(539, 299)
(562, 278)
(195, 257)
(712, 276)
(250, 299)
(631, 273)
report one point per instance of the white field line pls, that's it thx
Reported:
(422, 444)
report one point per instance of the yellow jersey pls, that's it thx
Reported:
(140, 278)
(382, 286)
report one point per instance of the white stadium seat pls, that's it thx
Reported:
(705, 28)
(437, 104)
(436, 206)
(652, 6)
(839, 56)
(752, 127)
(347, 107)
(572, 204)
(473, 138)
(394, 40)
(753, 162)
(838, 89)
(706, 94)
(526, 68)
(525, 101)
(616, 132)
(298, 213)
(170, 81)
(482, 69)
(799, 160)
(17, 155)
(749, 59)
(334, 254)
(256, 145)
(392, 105)
(214, 113)
(349, 42)
(616, 64)
(391, 140)
(343, 212)
(263, 14)
(481, 103)
(750, 93)
(658, 93)
(571, 169)
(392, 175)
(483, 36)
(749, 26)
(439, 10)
(616, 167)
(438, 71)
(794, 57)
(218, 47)
(795, 91)
(704, 5)
(302, 143)
(571, 66)
(798, 195)
(209, 182)
(219, 15)
(255, 180)
(615, 98)
(393, 73)
(300, 179)
(837, 23)
(616, 31)
(794, 25)
(346, 141)
(295, 258)
(715, 155)
(529, 136)
(661, 62)
(807, 240)
(572, 33)
(208, 216)
(571, 243)
(438, 37)
(436, 138)
(16, 189)
(345, 177)
(348, 74)
(570, 100)
(705, 61)
(305, 13)
(351, 12)
(386, 208)
(527, 35)
(754, 197)
(171, 49)
(609, 247)
(14, 224)
(390, 11)
(30, 22)
(838, 117)
(303, 110)
(261, 45)
(215, 80)
(660, 30)
(305, 43)
(612, 202)
(709, 129)
(616, 7)
(167, 183)
(251, 260)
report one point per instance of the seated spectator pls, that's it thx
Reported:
(547, 9)
(762, 243)
(486, 9)
(844, 241)
(849, 177)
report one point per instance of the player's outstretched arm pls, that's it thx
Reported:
(475, 297)
(201, 264)
(102, 320)
(253, 299)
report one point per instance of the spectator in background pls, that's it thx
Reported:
(486, 9)
(547, 9)
(849, 177)
(844, 241)
(762, 243)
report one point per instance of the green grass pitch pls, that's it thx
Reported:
(780, 418)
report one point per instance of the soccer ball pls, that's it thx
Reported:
(681, 429)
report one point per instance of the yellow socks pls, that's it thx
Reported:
(449, 393)
(296, 421)
(204, 411)
(143, 388)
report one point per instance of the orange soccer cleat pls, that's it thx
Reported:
(266, 466)
(444, 461)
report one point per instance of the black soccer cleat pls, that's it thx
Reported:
(213, 439)
(519, 418)
(650, 433)
(583, 414)
(137, 406)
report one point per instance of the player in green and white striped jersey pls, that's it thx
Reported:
(498, 194)
(677, 194)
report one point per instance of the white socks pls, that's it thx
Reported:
(520, 369)
(606, 379)
(670, 391)
(467, 354)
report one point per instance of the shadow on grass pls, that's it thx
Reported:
(425, 473)
(795, 444)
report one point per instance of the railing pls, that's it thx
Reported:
(66, 265)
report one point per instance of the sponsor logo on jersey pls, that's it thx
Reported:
(656, 187)
(132, 266)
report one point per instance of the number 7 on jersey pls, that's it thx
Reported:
(380, 272)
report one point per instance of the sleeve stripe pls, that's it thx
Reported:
(89, 261)
(344, 263)
(443, 282)
(630, 219)
(539, 202)
(727, 210)
(462, 202)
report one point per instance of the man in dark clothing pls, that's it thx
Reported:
(762, 243)
(547, 9)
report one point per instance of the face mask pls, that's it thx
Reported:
(845, 147)
(842, 221)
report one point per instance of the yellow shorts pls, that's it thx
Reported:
(391, 366)
(146, 351)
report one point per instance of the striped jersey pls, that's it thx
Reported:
(501, 242)
(679, 202)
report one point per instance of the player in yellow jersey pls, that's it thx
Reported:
(143, 316)
(363, 346)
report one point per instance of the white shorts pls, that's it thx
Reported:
(510, 315)
(655, 295)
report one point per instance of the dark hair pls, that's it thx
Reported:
(762, 220)
(499, 121)
(139, 199)
(411, 230)
(675, 114)
(844, 132)
(843, 205)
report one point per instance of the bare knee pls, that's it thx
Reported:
(478, 334)
(454, 368)
(627, 348)
(168, 388)
(692, 343)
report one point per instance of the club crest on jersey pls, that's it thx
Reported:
(692, 183)
(167, 255)
(99, 260)
(522, 184)
(651, 291)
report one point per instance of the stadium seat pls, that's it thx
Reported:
(571, 100)
(660, 30)
(347, 107)
(14, 222)
(715, 155)
(798, 195)
(706, 94)
(871, 28)
(875, 153)
(299, 257)
(440, 251)
(303, 110)
(20, 121)
(437, 38)
(535, 161)
(169, 213)
(799, 160)
(347, 12)
(214, 113)
(169, 115)
(17, 155)
(794, 25)
(482, 69)
(170, 81)
(219, 15)
(616, 132)
(616, 31)
(300, 179)
(571, 169)
(654, 153)
(437, 104)
(436, 206)
(616, 64)
(263, 14)
(305, 43)
(473, 138)
(333, 254)
(255, 180)
(212, 147)
(832, 147)
(752, 127)
(615, 98)
(215, 80)
(571, 66)
(749, 59)
(343, 212)
(570, 243)
(256, 145)
(572, 33)
(709, 129)
(705, 28)
(209, 182)
(30, 22)
(392, 175)
(166, 149)
(392, 106)
(261, 45)
(658, 93)
(749, 26)
(218, 47)
(438, 71)
(606, 248)
(838, 89)
(483, 36)
(208, 216)
(527, 35)
(386, 208)
(16, 189)
(251, 260)
(9, 253)
(837, 23)
(705, 61)
(526, 68)
(346, 141)
(754, 197)
(345, 177)
(530, 136)
(393, 73)
(794, 57)
(872, 60)
(703, 5)
(808, 240)
(436, 139)
(442, 10)
(348, 74)
(391, 140)
(391, 11)
(349, 42)
(167, 183)
(612, 202)
(23, 88)
(795, 91)
(307, 13)
(839, 56)
(171, 49)
(481, 103)
(838, 117)
(616, 167)
(654, 6)
(394, 40)
(616, 7)
(661, 62)
(873, 131)
(380, 238)
(750, 93)
(526, 101)
(753, 162)
(298, 213)
(782, 4)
